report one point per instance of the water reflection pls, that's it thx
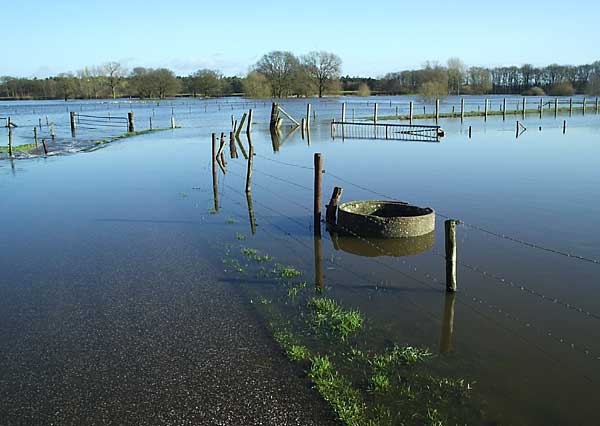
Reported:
(374, 247)
(447, 323)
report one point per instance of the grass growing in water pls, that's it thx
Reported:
(365, 382)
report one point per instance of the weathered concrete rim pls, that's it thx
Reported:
(385, 219)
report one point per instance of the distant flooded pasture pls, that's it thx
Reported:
(85, 232)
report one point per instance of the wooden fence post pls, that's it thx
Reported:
(470, 130)
(173, 125)
(375, 113)
(130, 126)
(308, 117)
(596, 105)
(564, 126)
(250, 117)
(72, 115)
(343, 112)
(410, 112)
(570, 107)
(541, 107)
(150, 122)
(45, 146)
(35, 137)
(273, 124)
(584, 105)
(504, 109)
(318, 162)
(450, 228)
(437, 110)
(462, 110)
(10, 141)
(524, 106)
(485, 110)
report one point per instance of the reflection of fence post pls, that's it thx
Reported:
(130, 127)
(214, 171)
(450, 228)
(249, 171)
(318, 162)
(72, 114)
(318, 245)
(251, 213)
(447, 324)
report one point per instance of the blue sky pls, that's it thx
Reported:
(41, 38)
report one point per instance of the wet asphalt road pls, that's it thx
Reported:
(135, 330)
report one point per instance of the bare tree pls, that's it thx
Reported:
(323, 68)
(456, 74)
(114, 72)
(280, 69)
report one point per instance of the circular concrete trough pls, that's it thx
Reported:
(385, 219)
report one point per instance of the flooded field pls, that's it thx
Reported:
(518, 344)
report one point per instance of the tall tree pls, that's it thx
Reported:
(323, 68)
(207, 82)
(280, 70)
(456, 74)
(114, 72)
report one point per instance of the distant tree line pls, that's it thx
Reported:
(282, 74)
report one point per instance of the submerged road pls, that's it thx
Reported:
(112, 307)
(160, 346)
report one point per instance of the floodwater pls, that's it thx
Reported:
(524, 324)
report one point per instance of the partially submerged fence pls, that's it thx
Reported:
(403, 132)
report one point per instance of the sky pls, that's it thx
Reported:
(42, 38)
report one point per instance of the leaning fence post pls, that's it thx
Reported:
(130, 127)
(318, 162)
(450, 227)
(331, 211)
(249, 126)
(45, 146)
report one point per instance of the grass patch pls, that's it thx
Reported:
(330, 316)
(18, 148)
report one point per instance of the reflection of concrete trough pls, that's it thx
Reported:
(374, 247)
(385, 219)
